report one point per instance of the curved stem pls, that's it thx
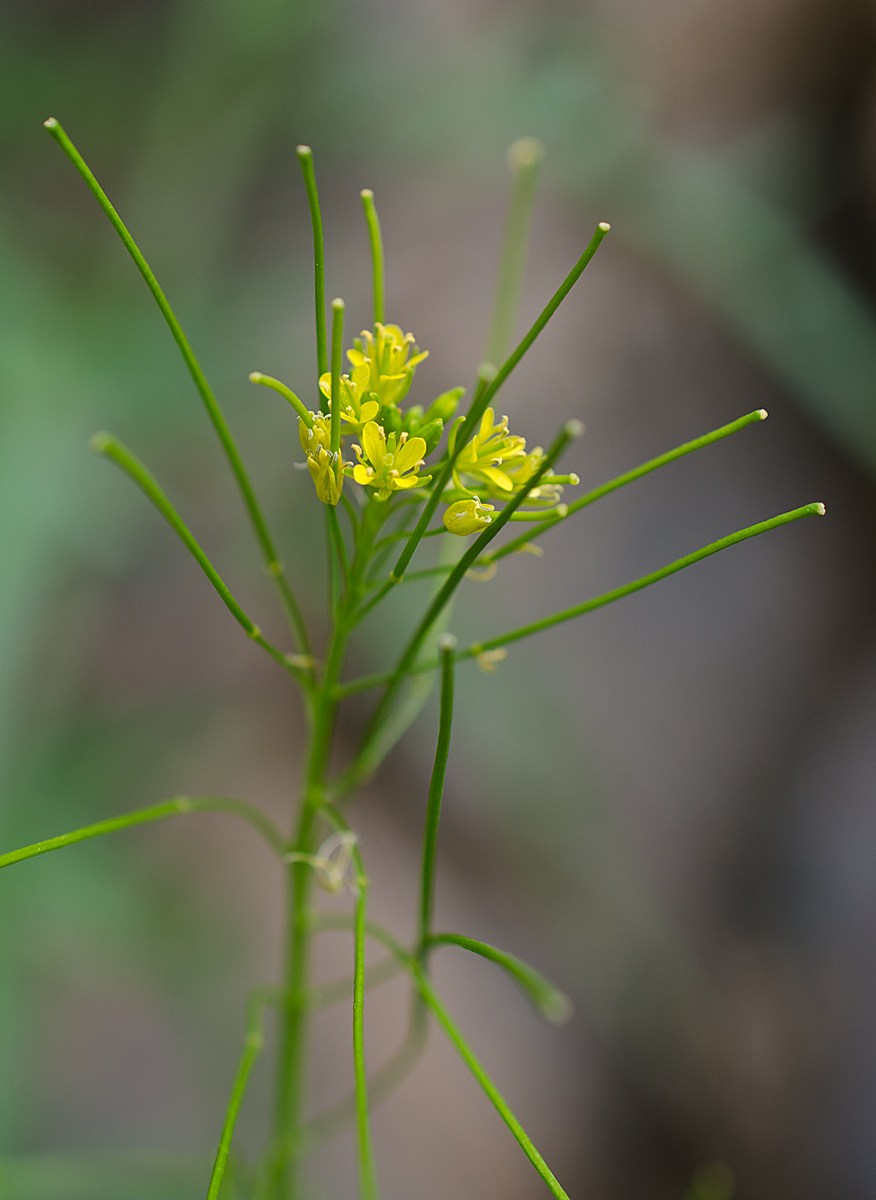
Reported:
(269, 553)
(553, 1004)
(495, 1096)
(104, 443)
(157, 812)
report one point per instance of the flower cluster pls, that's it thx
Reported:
(394, 443)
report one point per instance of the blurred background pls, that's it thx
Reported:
(668, 806)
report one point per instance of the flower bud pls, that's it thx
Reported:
(444, 406)
(467, 516)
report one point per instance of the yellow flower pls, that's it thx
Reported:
(358, 404)
(521, 470)
(467, 516)
(385, 355)
(326, 469)
(389, 463)
(490, 456)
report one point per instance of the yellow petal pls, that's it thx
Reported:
(497, 477)
(374, 442)
(369, 410)
(408, 455)
(362, 474)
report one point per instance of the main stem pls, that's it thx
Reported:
(284, 1178)
(289, 1103)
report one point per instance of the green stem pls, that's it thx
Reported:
(343, 690)
(553, 1004)
(157, 812)
(338, 543)
(104, 443)
(252, 1048)
(485, 376)
(286, 393)
(447, 643)
(488, 386)
(496, 1098)
(570, 430)
(338, 990)
(376, 241)
(269, 553)
(337, 368)
(621, 480)
(382, 1084)
(524, 158)
(289, 1100)
(432, 1001)
(305, 158)
(367, 1173)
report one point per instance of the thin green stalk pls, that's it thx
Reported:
(485, 393)
(351, 513)
(367, 1174)
(486, 374)
(447, 644)
(252, 1048)
(289, 1100)
(554, 1005)
(327, 1125)
(343, 690)
(305, 158)
(376, 241)
(496, 1098)
(338, 990)
(338, 542)
(570, 430)
(524, 158)
(269, 553)
(104, 443)
(178, 806)
(432, 1001)
(287, 394)
(337, 369)
(621, 480)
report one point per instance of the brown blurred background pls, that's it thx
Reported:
(667, 806)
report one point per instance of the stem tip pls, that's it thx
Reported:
(525, 152)
(448, 642)
(366, 194)
(100, 442)
(338, 304)
(51, 123)
(762, 414)
(604, 226)
(574, 428)
(304, 152)
(820, 509)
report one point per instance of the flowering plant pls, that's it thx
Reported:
(390, 484)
